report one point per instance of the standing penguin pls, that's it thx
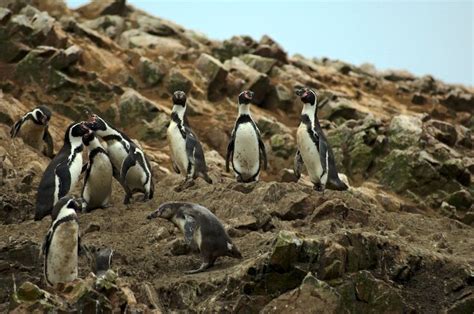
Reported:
(98, 179)
(201, 229)
(130, 165)
(313, 149)
(33, 129)
(63, 171)
(186, 152)
(61, 245)
(246, 148)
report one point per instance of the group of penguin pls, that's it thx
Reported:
(124, 160)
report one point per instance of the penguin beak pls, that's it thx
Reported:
(250, 95)
(299, 92)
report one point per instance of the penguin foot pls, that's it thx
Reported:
(126, 200)
(185, 185)
(201, 268)
(319, 187)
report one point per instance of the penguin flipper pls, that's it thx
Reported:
(195, 154)
(230, 151)
(49, 149)
(16, 127)
(298, 165)
(263, 153)
(189, 228)
(175, 167)
(128, 163)
(62, 171)
(324, 157)
(47, 242)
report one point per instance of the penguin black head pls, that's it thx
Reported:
(42, 115)
(179, 98)
(307, 96)
(245, 97)
(65, 202)
(75, 130)
(88, 137)
(166, 211)
(96, 123)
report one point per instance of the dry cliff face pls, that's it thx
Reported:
(400, 239)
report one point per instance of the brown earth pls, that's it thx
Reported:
(399, 240)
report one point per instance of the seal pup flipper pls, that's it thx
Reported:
(298, 165)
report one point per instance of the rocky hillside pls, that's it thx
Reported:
(399, 240)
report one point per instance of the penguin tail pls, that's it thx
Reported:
(233, 251)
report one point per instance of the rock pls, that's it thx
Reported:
(233, 47)
(269, 48)
(214, 73)
(283, 145)
(261, 64)
(425, 84)
(442, 131)
(279, 97)
(285, 252)
(418, 99)
(5, 15)
(135, 38)
(152, 73)
(66, 58)
(269, 126)
(255, 81)
(340, 109)
(398, 75)
(110, 25)
(313, 296)
(134, 108)
(156, 129)
(332, 262)
(461, 199)
(103, 7)
(459, 100)
(454, 168)
(156, 26)
(92, 227)
(294, 205)
(176, 80)
(287, 175)
(404, 131)
(465, 137)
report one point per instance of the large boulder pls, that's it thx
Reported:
(460, 100)
(233, 47)
(214, 73)
(280, 97)
(152, 73)
(156, 26)
(404, 131)
(255, 81)
(261, 64)
(177, 80)
(111, 25)
(269, 48)
(136, 38)
(103, 7)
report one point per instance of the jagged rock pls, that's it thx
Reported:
(341, 109)
(155, 26)
(455, 169)
(103, 7)
(465, 137)
(152, 73)
(398, 75)
(214, 73)
(425, 84)
(233, 47)
(111, 25)
(404, 131)
(65, 58)
(5, 15)
(458, 99)
(279, 97)
(283, 145)
(461, 199)
(313, 296)
(285, 250)
(269, 126)
(261, 64)
(134, 108)
(269, 48)
(136, 38)
(418, 99)
(176, 80)
(442, 131)
(156, 129)
(255, 81)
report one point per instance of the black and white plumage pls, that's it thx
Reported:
(63, 171)
(187, 154)
(246, 149)
(33, 129)
(202, 230)
(314, 150)
(61, 245)
(98, 174)
(130, 164)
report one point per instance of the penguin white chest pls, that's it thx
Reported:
(75, 169)
(178, 147)
(98, 187)
(61, 262)
(117, 153)
(246, 159)
(136, 178)
(32, 134)
(310, 153)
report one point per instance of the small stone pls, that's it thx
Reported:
(418, 99)
(92, 227)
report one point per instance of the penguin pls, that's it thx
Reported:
(186, 151)
(98, 174)
(62, 173)
(61, 245)
(126, 157)
(202, 230)
(103, 261)
(314, 150)
(246, 148)
(33, 129)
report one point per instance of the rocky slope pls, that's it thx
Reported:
(400, 240)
